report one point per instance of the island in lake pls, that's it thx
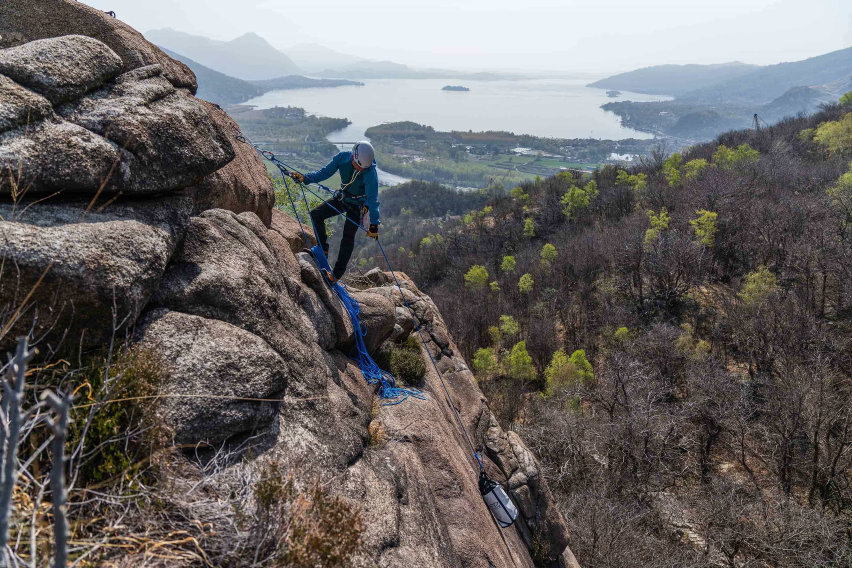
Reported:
(613, 94)
(455, 88)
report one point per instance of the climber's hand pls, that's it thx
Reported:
(373, 231)
(298, 177)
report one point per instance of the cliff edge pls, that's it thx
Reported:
(131, 213)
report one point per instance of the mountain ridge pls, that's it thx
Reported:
(246, 57)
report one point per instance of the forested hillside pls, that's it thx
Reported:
(675, 340)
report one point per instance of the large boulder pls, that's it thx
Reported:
(242, 185)
(167, 138)
(61, 68)
(134, 133)
(83, 271)
(223, 382)
(22, 21)
(231, 267)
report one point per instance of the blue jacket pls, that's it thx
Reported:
(365, 188)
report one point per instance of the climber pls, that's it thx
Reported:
(356, 196)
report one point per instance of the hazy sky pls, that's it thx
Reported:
(554, 35)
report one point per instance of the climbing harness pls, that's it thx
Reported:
(495, 497)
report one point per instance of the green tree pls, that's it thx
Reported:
(525, 283)
(672, 169)
(583, 368)
(836, 135)
(693, 168)
(574, 201)
(637, 182)
(494, 285)
(548, 254)
(485, 362)
(520, 365)
(841, 193)
(740, 158)
(705, 227)
(509, 326)
(529, 227)
(508, 264)
(564, 371)
(759, 286)
(496, 335)
(519, 194)
(476, 277)
(559, 373)
(659, 223)
(846, 99)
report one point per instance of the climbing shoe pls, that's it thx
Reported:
(329, 276)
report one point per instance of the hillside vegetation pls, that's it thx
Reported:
(675, 340)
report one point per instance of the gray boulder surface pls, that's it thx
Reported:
(185, 255)
(86, 270)
(213, 360)
(61, 68)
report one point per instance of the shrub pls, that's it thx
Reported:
(508, 264)
(622, 334)
(494, 285)
(111, 446)
(405, 362)
(759, 286)
(740, 158)
(314, 527)
(529, 227)
(476, 277)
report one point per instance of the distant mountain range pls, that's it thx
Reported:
(772, 81)
(709, 99)
(251, 58)
(247, 57)
(674, 80)
(735, 83)
(223, 89)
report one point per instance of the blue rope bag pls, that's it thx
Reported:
(373, 374)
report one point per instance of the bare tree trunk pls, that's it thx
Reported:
(13, 387)
(59, 426)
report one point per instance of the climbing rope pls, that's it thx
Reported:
(364, 360)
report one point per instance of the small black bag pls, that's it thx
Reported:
(498, 501)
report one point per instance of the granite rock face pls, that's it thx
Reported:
(129, 212)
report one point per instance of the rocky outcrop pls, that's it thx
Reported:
(23, 21)
(128, 211)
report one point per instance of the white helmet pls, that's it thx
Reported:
(363, 154)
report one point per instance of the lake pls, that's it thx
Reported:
(557, 107)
